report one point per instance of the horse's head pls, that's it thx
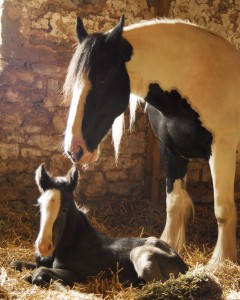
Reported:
(55, 200)
(99, 87)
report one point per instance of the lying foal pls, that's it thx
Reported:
(69, 249)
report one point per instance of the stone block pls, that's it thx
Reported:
(59, 164)
(193, 175)
(11, 113)
(60, 119)
(38, 116)
(116, 175)
(25, 77)
(120, 188)
(53, 86)
(45, 142)
(206, 174)
(97, 185)
(33, 152)
(49, 70)
(9, 151)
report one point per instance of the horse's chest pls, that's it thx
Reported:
(176, 124)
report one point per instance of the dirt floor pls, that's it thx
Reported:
(137, 217)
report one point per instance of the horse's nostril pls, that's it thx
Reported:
(76, 156)
(79, 154)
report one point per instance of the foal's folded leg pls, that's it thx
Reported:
(19, 265)
(44, 277)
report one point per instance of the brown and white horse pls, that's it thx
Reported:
(190, 78)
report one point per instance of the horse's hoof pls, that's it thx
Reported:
(17, 265)
(29, 279)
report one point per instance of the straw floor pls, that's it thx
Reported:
(119, 218)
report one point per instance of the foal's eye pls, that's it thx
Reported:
(100, 83)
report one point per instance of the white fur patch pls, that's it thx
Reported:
(179, 208)
(50, 202)
(119, 123)
(117, 132)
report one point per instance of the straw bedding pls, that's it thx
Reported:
(18, 231)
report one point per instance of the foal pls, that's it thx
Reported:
(69, 249)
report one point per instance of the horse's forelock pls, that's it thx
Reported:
(80, 64)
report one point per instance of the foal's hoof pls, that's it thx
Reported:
(17, 265)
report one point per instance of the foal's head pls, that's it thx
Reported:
(99, 87)
(55, 200)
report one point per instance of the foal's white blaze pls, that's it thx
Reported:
(73, 135)
(49, 206)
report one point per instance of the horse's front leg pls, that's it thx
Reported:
(178, 203)
(223, 165)
(44, 277)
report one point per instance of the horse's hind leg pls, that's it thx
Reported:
(223, 164)
(178, 203)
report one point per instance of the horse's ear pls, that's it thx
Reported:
(81, 31)
(122, 46)
(126, 50)
(72, 178)
(43, 179)
(116, 33)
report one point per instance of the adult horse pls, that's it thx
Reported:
(190, 78)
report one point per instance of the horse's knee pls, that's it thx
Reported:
(225, 212)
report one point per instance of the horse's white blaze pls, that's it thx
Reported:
(50, 202)
(179, 207)
(73, 134)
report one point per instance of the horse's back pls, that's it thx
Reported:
(202, 66)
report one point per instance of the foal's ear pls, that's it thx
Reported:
(81, 31)
(43, 179)
(116, 33)
(72, 179)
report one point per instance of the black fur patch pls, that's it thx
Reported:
(179, 130)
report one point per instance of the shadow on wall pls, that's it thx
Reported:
(31, 129)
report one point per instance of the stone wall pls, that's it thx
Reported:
(38, 38)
